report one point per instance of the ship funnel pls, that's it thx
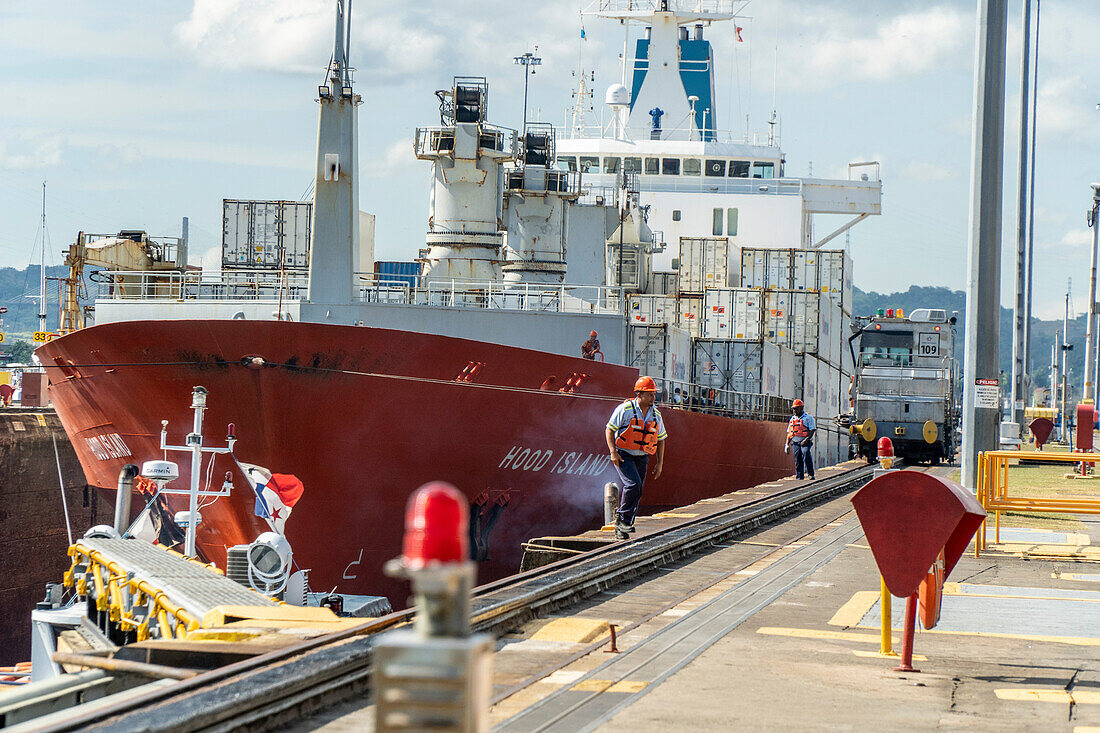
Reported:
(465, 218)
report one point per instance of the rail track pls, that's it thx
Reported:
(276, 688)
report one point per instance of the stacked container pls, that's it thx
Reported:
(663, 283)
(663, 352)
(689, 314)
(704, 263)
(733, 313)
(649, 310)
(741, 366)
(766, 268)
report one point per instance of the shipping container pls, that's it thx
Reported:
(767, 268)
(689, 315)
(809, 384)
(835, 276)
(733, 313)
(663, 352)
(704, 263)
(265, 235)
(804, 269)
(397, 273)
(651, 309)
(777, 316)
(663, 283)
(740, 366)
(788, 387)
(804, 321)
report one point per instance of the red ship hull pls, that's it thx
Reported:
(363, 416)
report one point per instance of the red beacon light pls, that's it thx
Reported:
(436, 526)
(886, 452)
(889, 312)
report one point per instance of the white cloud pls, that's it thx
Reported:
(847, 47)
(1067, 109)
(919, 170)
(31, 152)
(397, 157)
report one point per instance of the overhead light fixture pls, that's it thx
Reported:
(324, 92)
(345, 92)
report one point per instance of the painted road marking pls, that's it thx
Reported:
(819, 634)
(853, 611)
(628, 686)
(1078, 577)
(675, 612)
(591, 686)
(571, 629)
(564, 676)
(684, 515)
(1039, 694)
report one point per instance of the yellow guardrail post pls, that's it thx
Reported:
(886, 622)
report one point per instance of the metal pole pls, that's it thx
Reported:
(980, 429)
(123, 497)
(526, 75)
(1094, 365)
(1065, 348)
(194, 441)
(42, 269)
(1031, 200)
(1090, 319)
(1020, 322)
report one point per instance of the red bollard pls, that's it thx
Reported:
(613, 649)
(910, 631)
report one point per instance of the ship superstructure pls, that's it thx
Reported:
(365, 385)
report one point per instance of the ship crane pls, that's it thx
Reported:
(128, 251)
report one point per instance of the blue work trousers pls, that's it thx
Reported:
(632, 475)
(803, 459)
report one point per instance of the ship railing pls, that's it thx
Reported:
(489, 294)
(667, 134)
(431, 142)
(682, 394)
(202, 285)
(642, 8)
(692, 184)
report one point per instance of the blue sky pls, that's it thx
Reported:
(138, 113)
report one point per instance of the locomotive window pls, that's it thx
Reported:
(895, 346)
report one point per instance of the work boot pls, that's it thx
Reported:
(631, 529)
(621, 534)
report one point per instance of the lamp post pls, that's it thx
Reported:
(527, 60)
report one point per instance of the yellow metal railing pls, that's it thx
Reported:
(129, 602)
(993, 489)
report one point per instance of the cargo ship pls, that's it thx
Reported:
(365, 382)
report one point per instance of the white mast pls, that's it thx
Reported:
(42, 268)
(334, 252)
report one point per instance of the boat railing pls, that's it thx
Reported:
(685, 395)
(488, 294)
(620, 8)
(201, 285)
(692, 184)
(668, 134)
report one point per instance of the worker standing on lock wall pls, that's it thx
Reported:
(634, 433)
(800, 438)
(591, 347)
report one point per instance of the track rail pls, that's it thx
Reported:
(281, 686)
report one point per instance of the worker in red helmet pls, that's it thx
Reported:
(634, 433)
(800, 438)
(591, 347)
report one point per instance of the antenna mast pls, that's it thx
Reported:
(42, 268)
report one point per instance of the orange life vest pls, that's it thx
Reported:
(638, 434)
(795, 428)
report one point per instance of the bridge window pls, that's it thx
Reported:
(652, 166)
(567, 163)
(731, 222)
(763, 170)
(692, 166)
(894, 346)
(716, 167)
(611, 165)
(670, 166)
(632, 165)
(676, 215)
(717, 226)
(590, 164)
(739, 169)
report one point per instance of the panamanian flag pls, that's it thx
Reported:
(276, 493)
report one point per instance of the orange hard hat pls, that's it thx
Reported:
(797, 403)
(645, 384)
(593, 334)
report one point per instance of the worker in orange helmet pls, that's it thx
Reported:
(634, 433)
(800, 438)
(591, 347)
